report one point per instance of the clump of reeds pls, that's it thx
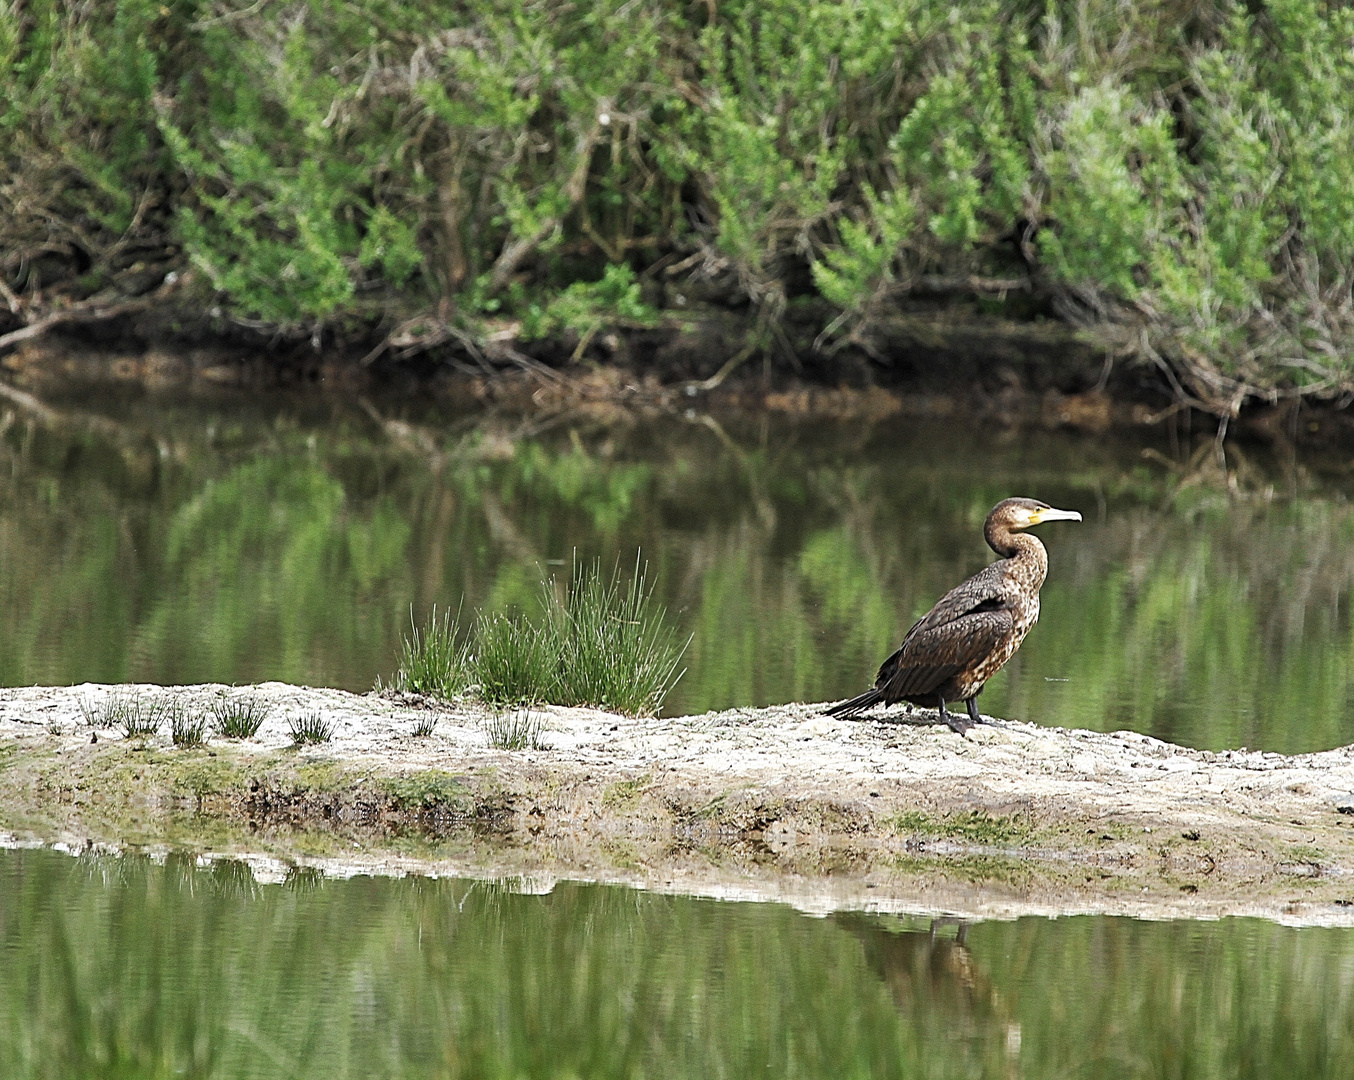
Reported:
(239, 716)
(615, 649)
(434, 659)
(114, 711)
(515, 660)
(514, 729)
(186, 728)
(309, 727)
(596, 642)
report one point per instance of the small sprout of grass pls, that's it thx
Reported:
(90, 711)
(514, 729)
(309, 727)
(135, 716)
(186, 728)
(239, 716)
(114, 711)
(426, 724)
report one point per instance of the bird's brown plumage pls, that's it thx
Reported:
(975, 627)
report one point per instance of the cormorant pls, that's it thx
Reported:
(975, 627)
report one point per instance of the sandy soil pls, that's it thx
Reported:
(890, 814)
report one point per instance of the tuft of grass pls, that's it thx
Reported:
(425, 725)
(186, 728)
(139, 717)
(239, 717)
(114, 711)
(434, 660)
(309, 727)
(614, 646)
(516, 661)
(598, 641)
(514, 729)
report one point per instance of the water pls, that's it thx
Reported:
(238, 539)
(118, 967)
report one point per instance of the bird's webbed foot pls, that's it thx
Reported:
(958, 724)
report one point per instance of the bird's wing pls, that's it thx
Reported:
(985, 590)
(967, 624)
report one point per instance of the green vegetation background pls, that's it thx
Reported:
(1178, 176)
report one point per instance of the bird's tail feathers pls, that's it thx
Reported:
(856, 705)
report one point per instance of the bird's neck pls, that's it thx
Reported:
(1028, 555)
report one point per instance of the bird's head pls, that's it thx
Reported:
(1022, 513)
(1012, 515)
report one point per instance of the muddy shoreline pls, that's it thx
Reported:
(1011, 375)
(894, 813)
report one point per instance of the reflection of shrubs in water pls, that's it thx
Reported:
(303, 878)
(597, 643)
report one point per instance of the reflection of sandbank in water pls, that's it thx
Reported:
(935, 981)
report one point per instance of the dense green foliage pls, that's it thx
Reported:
(594, 643)
(1178, 176)
(125, 968)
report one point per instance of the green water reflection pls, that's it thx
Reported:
(123, 968)
(239, 540)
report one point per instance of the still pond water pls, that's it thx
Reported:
(125, 968)
(239, 539)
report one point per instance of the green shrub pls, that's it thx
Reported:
(1178, 177)
(516, 660)
(614, 650)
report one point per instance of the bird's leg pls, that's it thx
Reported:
(972, 704)
(958, 724)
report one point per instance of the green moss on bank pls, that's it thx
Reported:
(971, 826)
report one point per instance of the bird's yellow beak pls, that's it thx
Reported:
(1051, 514)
